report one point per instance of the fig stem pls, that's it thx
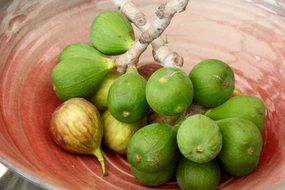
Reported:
(110, 62)
(237, 92)
(100, 157)
(132, 68)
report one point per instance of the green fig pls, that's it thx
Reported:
(81, 50)
(199, 138)
(79, 77)
(117, 134)
(242, 145)
(191, 175)
(169, 91)
(153, 148)
(242, 106)
(100, 99)
(76, 126)
(112, 32)
(155, 178)
(126, 98)
(213, 82)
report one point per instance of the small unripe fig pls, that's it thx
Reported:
(82, 50)
(118, 134)
(112, 33)
(79, 77)
(243, 106)
(76, 126)
(100, 99)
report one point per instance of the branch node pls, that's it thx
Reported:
(140, 19)
(145, 38)
(182, 6)
(177, 59)
(134, 61)
(121, 69)
(161, 11)
(161, 7)
(160, 30)
(155, 56)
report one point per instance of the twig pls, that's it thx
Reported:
(150, 32)
(161, 52)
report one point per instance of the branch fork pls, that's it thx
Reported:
(152, 33)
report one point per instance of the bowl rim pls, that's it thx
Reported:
(39, 182)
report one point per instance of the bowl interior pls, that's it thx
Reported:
(32, 33)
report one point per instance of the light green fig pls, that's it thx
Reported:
(243, 106)
(199, 138)
(169, 91)
(117, 134)
(100, 99)
(213, 82)
(79, 77)
(77, 127)
(81, 50)
(112, 32)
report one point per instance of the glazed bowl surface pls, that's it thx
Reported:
(247, 34)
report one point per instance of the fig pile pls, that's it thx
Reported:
(174, 124)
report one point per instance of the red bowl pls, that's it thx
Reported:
(249, 35)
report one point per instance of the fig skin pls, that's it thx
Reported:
(77, 127)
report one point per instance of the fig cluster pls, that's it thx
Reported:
(170, 124)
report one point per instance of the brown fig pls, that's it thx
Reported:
(76, 126)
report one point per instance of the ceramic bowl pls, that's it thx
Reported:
(247, 34)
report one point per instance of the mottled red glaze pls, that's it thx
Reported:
(249, 38)
(146, 70)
